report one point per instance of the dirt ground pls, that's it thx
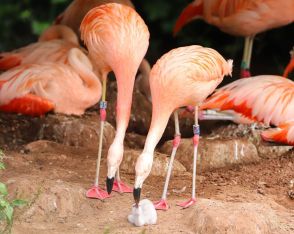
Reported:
(53, 169)
(53, 179)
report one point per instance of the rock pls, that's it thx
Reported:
(213, 153)
(76, 131)
(265, 149)
(50, 199)
(269, 150)
(211, 216)
(135, 141)
(159, 167)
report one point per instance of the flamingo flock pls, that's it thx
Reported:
(58, 74)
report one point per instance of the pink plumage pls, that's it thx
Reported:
(240, 18)
(184, 76)
(53, 46)
(266, 98)
(35, 89)
(117, 39)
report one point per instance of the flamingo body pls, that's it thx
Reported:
(117, 39)
(266, 98)
(239, 17)
(35, 89)
(184, 76)
(53, 46)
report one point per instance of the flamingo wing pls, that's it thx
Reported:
(284, 133)
(266, 99)
(18, 92)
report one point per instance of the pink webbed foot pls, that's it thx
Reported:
(121, 187)
(161, 205)
(97, 193)
(187, 204)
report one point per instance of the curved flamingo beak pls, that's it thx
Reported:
(137, 195)
(109, 184)
(191, 12)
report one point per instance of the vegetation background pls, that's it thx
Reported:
(22, 21)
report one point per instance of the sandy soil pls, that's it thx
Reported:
(57, 174)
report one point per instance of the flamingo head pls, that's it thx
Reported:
(114, 158)
(143, 169)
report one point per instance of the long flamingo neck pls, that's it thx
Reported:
(59, 32)
(160, 117)
(82, 65)
(125, 85)
(289, 68)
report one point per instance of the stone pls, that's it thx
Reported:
(212, 216)
(135, 141)
(159, 167)
(213, 153)
(76, 131)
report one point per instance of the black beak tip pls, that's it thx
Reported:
(137, 194)
(109, 184)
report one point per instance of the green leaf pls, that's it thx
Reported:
(4, 203)
(2, 215)
(18, 202)
(3, 189)
(9, 213)
(2, 166)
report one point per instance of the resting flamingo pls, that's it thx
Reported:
(35, 89)
(240, 18)
(129, 37)
(53, 46)
(184, 76)
(268, 99)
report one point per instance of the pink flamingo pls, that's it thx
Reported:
(240, 18)
(117, 39)
(290, 66)
(35, 89)
(53, 46)
(184, 76)
(268, 99)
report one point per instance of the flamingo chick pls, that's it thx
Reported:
(35, 89)
(53, 46)
(266, 98)
(184, 76)
(117, 39)
(240, 18)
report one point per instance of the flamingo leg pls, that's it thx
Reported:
(162, 203)
(119, 186)
(244, 65)
(196, 131)
(96, 191)
(249, 53)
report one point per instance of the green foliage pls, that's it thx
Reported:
(6, 206)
